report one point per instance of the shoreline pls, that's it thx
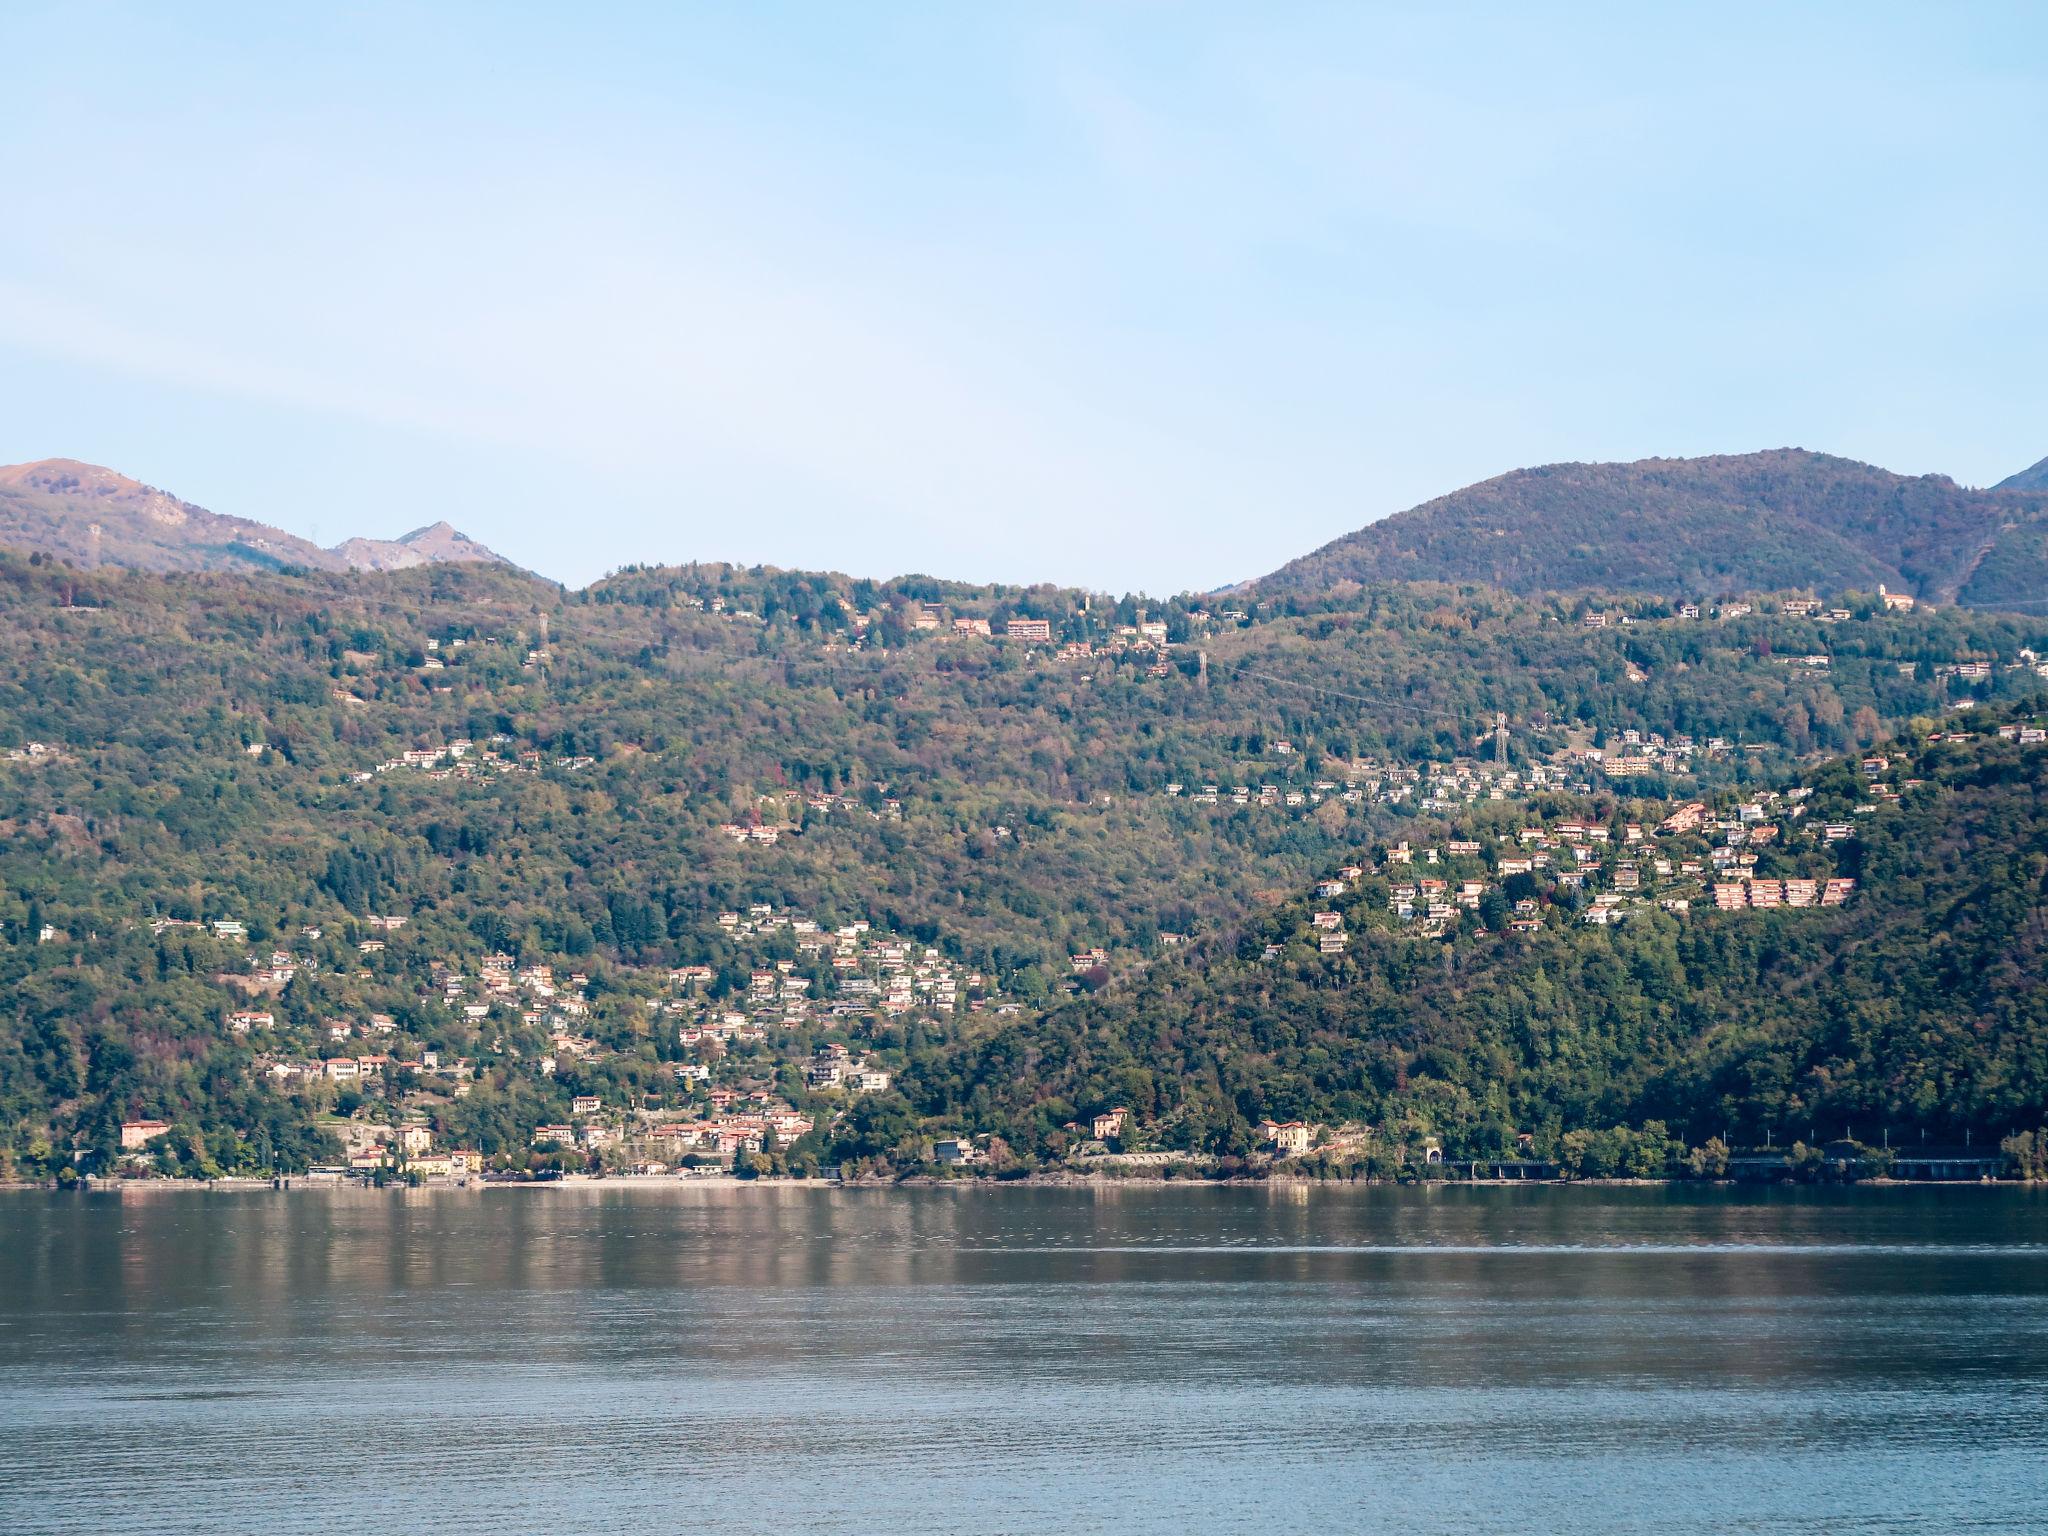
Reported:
(294, 1184)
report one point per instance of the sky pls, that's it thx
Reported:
(1143, 297)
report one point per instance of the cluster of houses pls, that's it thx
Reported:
(1423, 788)
(834, 1066)
(775, 816)
(759, 833)
(848, 975)
(1430, 901)
(940, 622)
(1278, 1141)
(1757, 852)
(1693, 853)
(642, 1139)
(1032, 631)
(1741, 608)
(464, 759)
(1636, 753)
(730, 612)
(656, 1140)
(524, 1016)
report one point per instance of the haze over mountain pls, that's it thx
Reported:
(90, 515)
(1787, 518)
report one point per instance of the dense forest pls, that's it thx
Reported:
(1701, 527)
(590, 780)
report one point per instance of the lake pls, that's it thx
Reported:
(976, 1359)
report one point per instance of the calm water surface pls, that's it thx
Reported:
(997, 1360)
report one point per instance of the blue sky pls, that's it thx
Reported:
(1142, 296)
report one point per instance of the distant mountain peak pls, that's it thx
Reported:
(88, 514)
(437, 543)
(93, 484)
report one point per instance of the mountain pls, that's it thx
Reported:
(89, 516)
(2033, 478)
(437, 543)
(55, 504)
(1782, 520)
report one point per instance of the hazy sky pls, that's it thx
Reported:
(1141, 296)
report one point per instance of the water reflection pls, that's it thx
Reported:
(973, 1358)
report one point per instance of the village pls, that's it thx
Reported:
(1749, 851)
(687, 1070)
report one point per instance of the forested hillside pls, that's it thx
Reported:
(1912, 1009)
(258, 834)
(1783, 520)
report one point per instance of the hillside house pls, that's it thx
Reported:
(1287, 1138)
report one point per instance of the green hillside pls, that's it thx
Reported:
(240, 814)
(1782, 520)
(1912, 1010)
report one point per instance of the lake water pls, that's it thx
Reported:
(1139, 1359)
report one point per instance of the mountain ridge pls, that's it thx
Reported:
(1776, 520)
(1780, 519)
(88, 515)
(437, 542)
(2033, 478)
